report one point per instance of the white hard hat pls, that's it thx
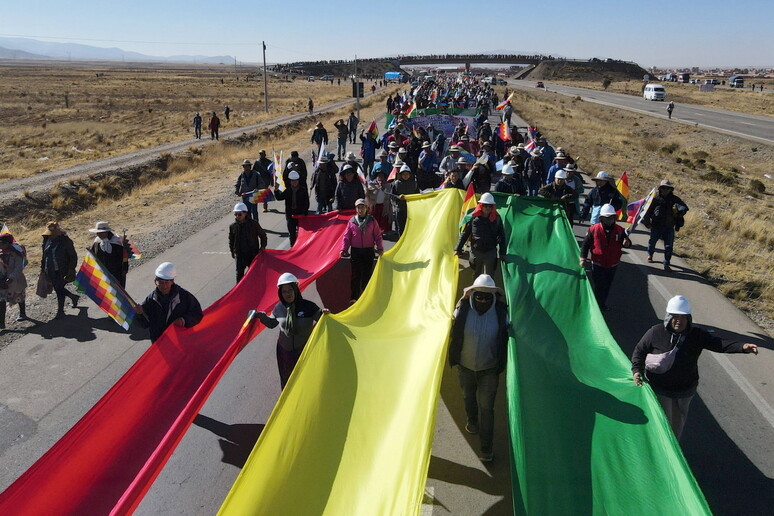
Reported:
(286, 278)
(240, 206)
(405, 168)
(603, 175)
(294, 175)
(560, 174)
(607, 211)
(508, 170)
(679, 305)
(487, 198)
(166, 271)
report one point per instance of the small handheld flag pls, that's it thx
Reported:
(468, 205)
(94, 280)
(259, 196)
(622, 185)
(505, 102)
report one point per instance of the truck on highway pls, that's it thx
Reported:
(395, 77)
(736, 82)
(684, 78)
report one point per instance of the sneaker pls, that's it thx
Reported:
(650, 259)
(486, 456)
(471, 428)
(21, 318)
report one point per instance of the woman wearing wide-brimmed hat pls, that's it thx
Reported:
(13, 284)
(108, 248)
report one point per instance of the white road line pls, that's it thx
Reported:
(747, 388)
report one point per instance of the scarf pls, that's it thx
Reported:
(361, 223)
(105, 244)
(479, 212)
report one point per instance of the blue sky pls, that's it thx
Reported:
(677, 33)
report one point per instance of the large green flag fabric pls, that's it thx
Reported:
(352, 431)
(584, 438)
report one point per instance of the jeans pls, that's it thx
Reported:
(292, 229)
(198, 132)
(483, 262)
(676, 411)
(324, 206)
(479, 389)
(368, 166)
(214, 134)
(352, 135)
(603, 278)
(533, 185)
(665, 234)
(252, 209)
(286, 362)
(242, 263)
(341, 150)
(60, 287)
(362, 262)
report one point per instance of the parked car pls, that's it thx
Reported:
(310, 78)
(540, 85)
(326, 78)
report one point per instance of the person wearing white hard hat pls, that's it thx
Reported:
(168, 304)
(362, 242)
(296, 318)
(667, 358)
(606, 241)
(560, 191)
(486, 234)
(511, 182)
(560, 161)
(246, 238)
(535, 170)
(405, 184)
(478, 351)
(603, 193)
(664, 216)
(453, 180)
(296, 199)
(108, 248)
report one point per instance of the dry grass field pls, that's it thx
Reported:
(727, 236)
(60, 115)
(743, 99)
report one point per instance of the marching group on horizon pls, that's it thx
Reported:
(407, 159)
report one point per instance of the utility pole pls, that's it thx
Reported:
(357, 90)
(235, 66)
(265, 84)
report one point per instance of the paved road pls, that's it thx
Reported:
(52, 376)
(756, 128)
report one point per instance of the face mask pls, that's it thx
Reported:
(608, 222)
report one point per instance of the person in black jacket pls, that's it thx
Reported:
(405, 184)
(246, 238)
(248, 181)
(486, 233)
(168, 304)
(58, 264)
(108, 248)
(296, 199)
(478, 351)
(667, 357)
(263, 166)
(663, 217)
(349, 189)
(511, 182)
(324, 184)
(559, 190)
(603, 193)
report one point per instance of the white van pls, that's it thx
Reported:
(654, 92)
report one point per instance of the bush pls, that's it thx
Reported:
(757, 186)
(670, 149)
(719, 177)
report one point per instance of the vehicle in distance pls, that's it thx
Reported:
(654, 92)
(501, 82)
(310, 78)
(540, 85)
(736, 82)
(326, 78)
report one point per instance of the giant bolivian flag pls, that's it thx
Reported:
(352, 431)
(584, 438)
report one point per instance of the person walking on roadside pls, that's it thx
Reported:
(511, 182)
(664, 217)
(603, 193)
(296, 318)
(108, 248)
(197, 124)
(324, 184)
(361, 236)
(670, 107)
(297, 163)
(667, 358)
(486, 233)
(13, 284)
(227, 113)
(262, 167)
(319, 136)
(296, 199)
(341, 138)
(368, 151)
(310, 106)
(168, 304)
(214, 126)
(405, 184)
(248, 182)
(379, 202)
(58, 264)
(560, 191)
(535, 171)
(348, 190)
(352, 123)
(478, 351)
(246, 238)
(606, 241)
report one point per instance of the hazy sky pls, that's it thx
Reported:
(678, 33)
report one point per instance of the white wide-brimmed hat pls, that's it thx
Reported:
(100, 227)
(484, 283)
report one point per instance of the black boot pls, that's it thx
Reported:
(22, 312)
(2, 315)
(60, 301)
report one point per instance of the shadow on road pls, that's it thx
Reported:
(82, 328)
(237, 440)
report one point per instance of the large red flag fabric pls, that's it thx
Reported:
(107, 462)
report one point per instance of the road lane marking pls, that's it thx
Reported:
(747, 388)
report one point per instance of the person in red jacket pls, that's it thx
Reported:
(362, 235)
(605, 240)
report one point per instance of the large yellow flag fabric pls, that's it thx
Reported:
(352, 431)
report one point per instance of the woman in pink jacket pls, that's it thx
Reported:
(362, 241)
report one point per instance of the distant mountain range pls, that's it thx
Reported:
(23, 48)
